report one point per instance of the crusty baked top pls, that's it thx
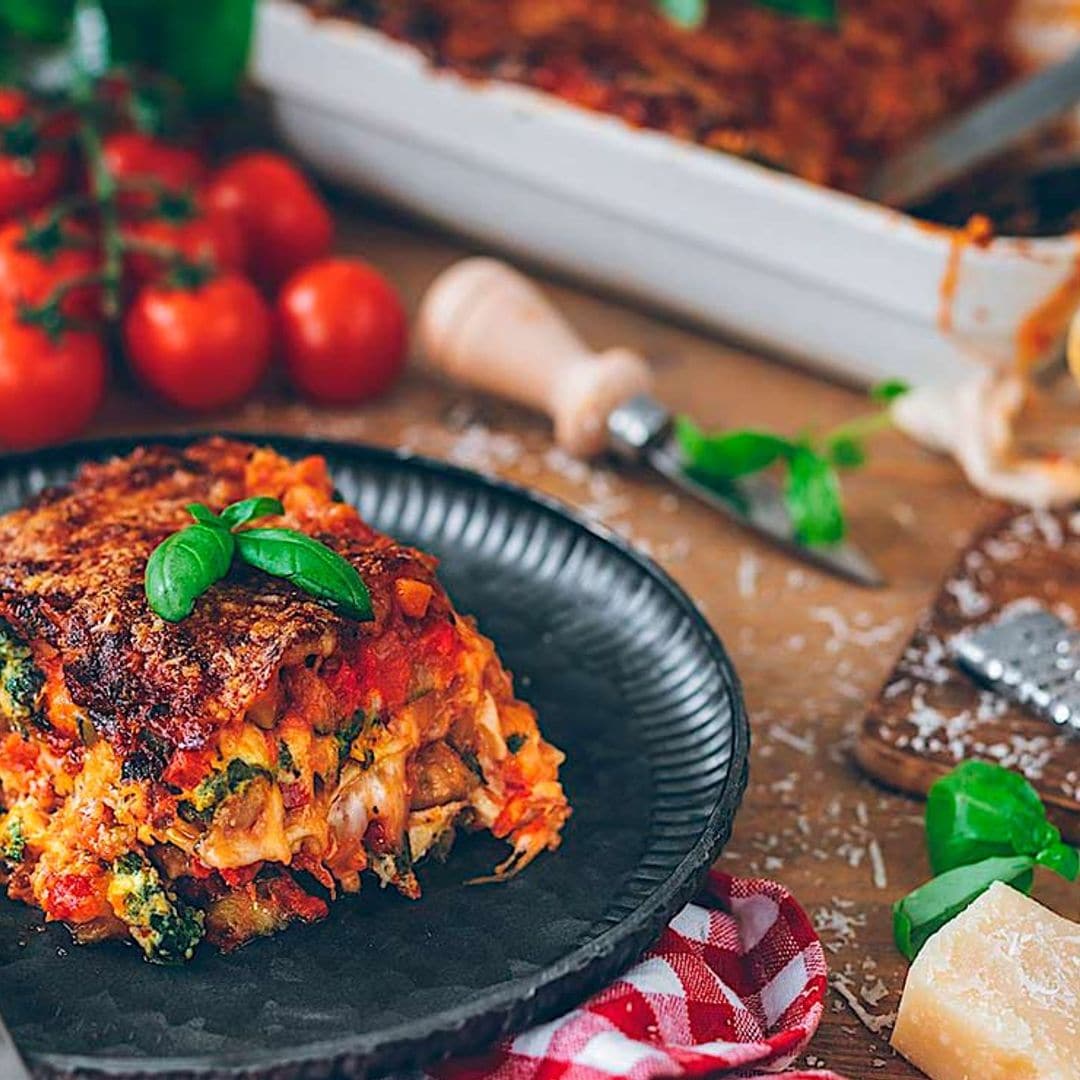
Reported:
(825, 102)
(71, 576)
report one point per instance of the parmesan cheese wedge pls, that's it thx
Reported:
(995, 995)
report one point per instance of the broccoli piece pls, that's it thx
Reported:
(177, 934)
(216, 788)
(130, 863)
(21, 680)
(13, 844)
(238, 772)
(166, 929)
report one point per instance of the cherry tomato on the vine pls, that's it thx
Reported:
(146, 163)
(39, 255)
(284, 219)
(30, 175)
(50, 386)
(203, 347)
(343, 331)
(205, 237)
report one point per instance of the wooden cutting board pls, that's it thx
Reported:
(929, 716)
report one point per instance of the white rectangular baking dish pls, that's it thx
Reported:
(820, 276)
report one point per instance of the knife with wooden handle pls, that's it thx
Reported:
(485, 325)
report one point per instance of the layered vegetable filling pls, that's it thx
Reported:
(354, 757)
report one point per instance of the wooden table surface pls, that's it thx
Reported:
(811, 651)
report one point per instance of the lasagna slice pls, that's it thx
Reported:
(227, 774)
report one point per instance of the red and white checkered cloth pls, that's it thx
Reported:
(735, 985)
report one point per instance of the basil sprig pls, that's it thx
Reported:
(980, 810)
(928, 908)
(984, 823)
(183, 566)
(247, 510)
(309, 565)
(812, 484)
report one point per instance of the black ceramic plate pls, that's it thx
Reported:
(628, 679)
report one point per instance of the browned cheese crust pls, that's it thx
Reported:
(71, 574)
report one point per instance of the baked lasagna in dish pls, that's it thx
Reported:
(827, 101)
(226, 774)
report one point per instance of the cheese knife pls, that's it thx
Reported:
(484, 324)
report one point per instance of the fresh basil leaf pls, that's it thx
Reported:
(981, 810)
(1062, 859)
(819, 11)
(846, 451)
(687, 13)
(203, 514)
(183, 566)
(240, 513)
(812, 494)
(889, 390)
(729, 454)
(309, 565)
(929, 907)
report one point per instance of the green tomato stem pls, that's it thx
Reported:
(861, 427)
(49, 315)
(171, 256)
(60, 211)
(104, 188)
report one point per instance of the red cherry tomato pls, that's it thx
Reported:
(208, 237)
(50, 387)
(284, 220)
(29, 176)
(200, 348)
(343, 331)
(138, 159)
(38, 256)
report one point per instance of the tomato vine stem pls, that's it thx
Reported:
(104, 188)
(49, 315)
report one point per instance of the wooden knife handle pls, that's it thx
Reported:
(484, 324)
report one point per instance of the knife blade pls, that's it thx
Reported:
(641, 430)
(985, 130)
(484, 324)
